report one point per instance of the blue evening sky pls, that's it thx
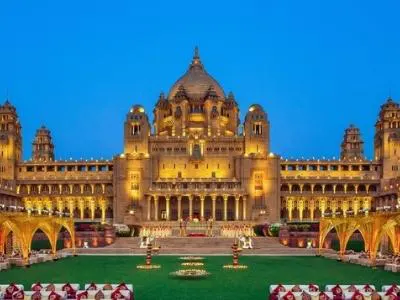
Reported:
(315, 66)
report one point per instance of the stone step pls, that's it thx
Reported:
(198, 242)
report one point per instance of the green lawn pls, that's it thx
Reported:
(223, 284)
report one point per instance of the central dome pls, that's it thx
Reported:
(196, 82)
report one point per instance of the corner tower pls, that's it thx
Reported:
(10, 141)
(256, 131)
(42, 145)
(352, 146)
(387, 139)
(136, 131)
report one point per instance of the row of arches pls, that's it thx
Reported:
(329, 188)
(76, 207)
(64, 189)
(301, 208)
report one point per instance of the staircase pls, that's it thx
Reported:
(200, 245)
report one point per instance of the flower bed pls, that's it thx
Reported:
(190, 274)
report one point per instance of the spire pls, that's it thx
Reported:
(196, 53)
(196, 62)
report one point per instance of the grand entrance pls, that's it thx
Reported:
(202, 207)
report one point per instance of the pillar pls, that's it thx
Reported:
(225, 207)
(81, 208)
(103, 212)
(156, 208)
(167, 208)
(71, 207)
(202, 207)
(236, 208)
(92, 208)
(179, 208)
(244, 208)
(148, 208)
(214, 199)
(301, 210)
(191, 206)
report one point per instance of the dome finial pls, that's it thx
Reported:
(196, 58)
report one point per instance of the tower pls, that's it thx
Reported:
(387, 139)
(42, 145)
(352, 146)
(10, 141)
(256, 131)
(136, 131)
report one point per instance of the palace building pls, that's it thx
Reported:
(197, 160)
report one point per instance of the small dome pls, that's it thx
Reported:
(196, 83)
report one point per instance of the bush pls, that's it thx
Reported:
(267, 229)
(123, 233)
(135, 230)
(260, 229)
(274, 229)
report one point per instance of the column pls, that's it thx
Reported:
(92, 208)
(71, 207)
(103, 212)
(289, 208)
(179, 208)
(148, 207)
(202, 207)
(244, 207)
(225, 207)
(81, 208)
(191, 197)
(167, 208)
(236, 208)
(156, 208)
(301, 209)
(214, 199)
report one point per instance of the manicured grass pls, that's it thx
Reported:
(223, 284)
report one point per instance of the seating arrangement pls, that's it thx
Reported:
(332, 292)
(6, 261)
(389, 262)
(63, 291)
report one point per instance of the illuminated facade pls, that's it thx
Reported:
(198, 161)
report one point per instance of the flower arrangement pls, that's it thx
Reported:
(189, 258)
(235, 267)
(148, 267)
(190, 274)
(192, 264)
